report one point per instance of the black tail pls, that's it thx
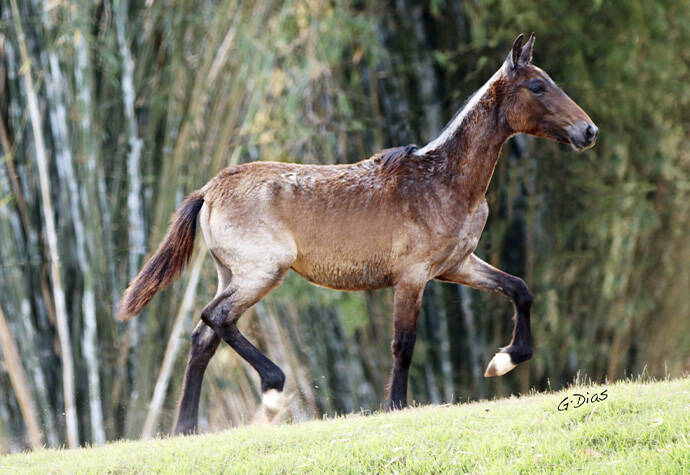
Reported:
(167, 262)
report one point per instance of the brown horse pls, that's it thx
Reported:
(401, 218)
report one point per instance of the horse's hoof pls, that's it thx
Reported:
(275, 401)
(274, 408)
(499, 365)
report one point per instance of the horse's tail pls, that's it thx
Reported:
(168, 260)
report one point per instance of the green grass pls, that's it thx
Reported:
(639, 428)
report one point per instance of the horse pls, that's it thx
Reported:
(401, 218)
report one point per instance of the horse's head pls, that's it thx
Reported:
(534, 104)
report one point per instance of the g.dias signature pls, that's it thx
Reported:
(577, 400)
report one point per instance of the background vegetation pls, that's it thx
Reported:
(111, 111)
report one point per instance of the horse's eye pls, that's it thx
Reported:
(536, 87)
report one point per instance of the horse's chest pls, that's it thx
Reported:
(469, 232)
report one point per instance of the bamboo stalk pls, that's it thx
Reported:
(90, 335)
(36, 371)
(14, 178)
(211, 65)
(136, 229)
(137, 236)
(51, 235)
(26, 247)
(82, 232)
(20, 384)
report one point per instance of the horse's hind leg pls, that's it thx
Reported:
(223, 312)
(204, 345)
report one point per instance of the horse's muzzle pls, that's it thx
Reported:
(582, 135)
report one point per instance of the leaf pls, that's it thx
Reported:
(440, 57)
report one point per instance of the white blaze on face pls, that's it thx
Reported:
(448, 133)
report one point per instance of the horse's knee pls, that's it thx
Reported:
(207, 317)
(219, 315)
(222, 310)
(204, 344)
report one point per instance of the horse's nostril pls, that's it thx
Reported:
(591, 132)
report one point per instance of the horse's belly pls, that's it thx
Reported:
(344, 274)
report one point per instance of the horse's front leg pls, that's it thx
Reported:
(407, 302)
(478, 274)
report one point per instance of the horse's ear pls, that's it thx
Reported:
(526, 55)
(514, 56)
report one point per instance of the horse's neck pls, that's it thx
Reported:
(474, 157)
(471, 145)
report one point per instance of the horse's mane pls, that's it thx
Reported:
(392, 159)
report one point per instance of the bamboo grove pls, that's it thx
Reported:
(111, 111)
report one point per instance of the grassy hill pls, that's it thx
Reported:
(633, 428)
